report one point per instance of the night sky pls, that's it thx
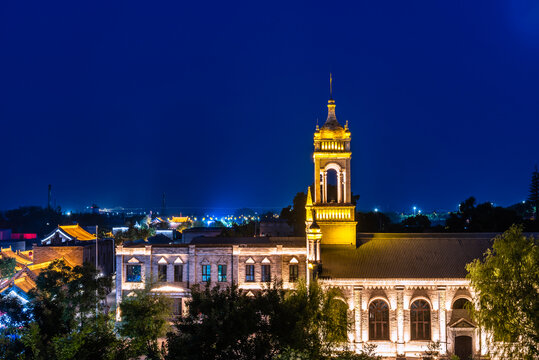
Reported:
(215, 103)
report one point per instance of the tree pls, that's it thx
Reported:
(506, 281)
(240, 230)
(222, 323)
(94, 340)
(481, 218)
(145, 318)
(372, 222)
(64, 301)
(418, 223)
(133, 233)
(7, 267)
(295, 214)
(533, 198)
(13, 318)
(227, 323)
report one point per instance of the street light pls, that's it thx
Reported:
(414, 210)
(375, 209)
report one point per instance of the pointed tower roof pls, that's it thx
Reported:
(309, 197)
(331, 122)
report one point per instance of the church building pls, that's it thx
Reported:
(403, 291)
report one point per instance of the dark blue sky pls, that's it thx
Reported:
(215, 103)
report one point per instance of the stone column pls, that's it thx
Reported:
(235, 261)
(339, 187)
(148, 265)
(442, 318)
(317, 181)
(191, 269)
(325, 184)
(357, 317)
(400, 320)
(119, 280)
(345, 192)
(317, 250)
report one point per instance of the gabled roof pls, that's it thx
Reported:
(178, 219)
(76, 232)
(69, 233)
(405, 256)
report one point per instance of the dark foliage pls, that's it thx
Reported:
(481, 218)
(295, 214)
(418, 223)
(533, 197)
(230, 324)
(7, 267)
(373, 222)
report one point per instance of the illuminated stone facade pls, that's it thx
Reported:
(403, 291)
(332, 155)
(250, 263)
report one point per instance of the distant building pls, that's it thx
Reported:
(178, 221)
(275, 227)
(189, 234)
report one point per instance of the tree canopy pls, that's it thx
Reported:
(145, 319)
(533, 196)
(506, 281)
(229, 323)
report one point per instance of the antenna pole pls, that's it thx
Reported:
(330, 85)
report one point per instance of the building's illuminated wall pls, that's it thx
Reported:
(399, 294)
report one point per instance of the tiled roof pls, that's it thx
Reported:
(254, 241)
(21, 259)
(76, 232)
(382, 256)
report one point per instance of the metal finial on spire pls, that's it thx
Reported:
(330, 86)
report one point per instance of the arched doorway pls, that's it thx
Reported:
(463, 347)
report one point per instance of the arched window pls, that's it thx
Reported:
(420, 320)
(378, 320)
(461, 303)
(331, 185)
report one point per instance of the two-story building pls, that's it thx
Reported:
(251, 263)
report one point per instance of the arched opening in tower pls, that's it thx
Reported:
(332, 185)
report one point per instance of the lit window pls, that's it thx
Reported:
(161, 273)
(249, 273)
(206, 273)
(378, 320)
(133, 273)
(221, 273)
(420, 320)
(266, 273)
(293, 273)
(178, 273)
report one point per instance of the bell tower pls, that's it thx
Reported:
(332, 203)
